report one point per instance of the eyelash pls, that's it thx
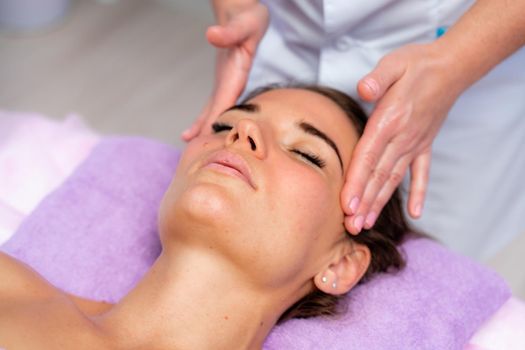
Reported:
(218, 127)
(310, 157)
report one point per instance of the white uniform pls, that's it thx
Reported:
(475, 201)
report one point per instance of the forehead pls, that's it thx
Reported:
(293, 105)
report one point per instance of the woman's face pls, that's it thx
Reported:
(263, 188)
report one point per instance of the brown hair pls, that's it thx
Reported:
(391, 227)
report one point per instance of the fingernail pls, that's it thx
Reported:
(370, 219)
(349, 224)
(417, 210)
(372, 85)
(358, 222)
(354, 203)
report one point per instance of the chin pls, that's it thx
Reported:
(197, 205)
(208, 202)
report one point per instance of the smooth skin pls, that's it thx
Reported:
(235, 253)
(409, 110)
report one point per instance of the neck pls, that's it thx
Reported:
(187, 301)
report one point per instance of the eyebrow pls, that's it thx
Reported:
(304, 126)
(245, 107)
(312, 130)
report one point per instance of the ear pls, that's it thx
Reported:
(347, 267)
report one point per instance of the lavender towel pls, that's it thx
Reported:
(96, 236)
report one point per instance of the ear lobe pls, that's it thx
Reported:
(344, 271)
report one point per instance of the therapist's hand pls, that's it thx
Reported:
(414, 87)
(236, 40)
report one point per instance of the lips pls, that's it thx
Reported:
(232, 164)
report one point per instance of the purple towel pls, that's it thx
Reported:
(96, 236)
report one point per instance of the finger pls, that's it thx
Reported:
(206, 126)
(374, 85)
(231, 80)
(419, 171)
(196, 127)
(223, 36)
(350, 226)
(378, 178)
(244, 28)
(365, 157)
(384, 195)
(232, 74)
(194, 130)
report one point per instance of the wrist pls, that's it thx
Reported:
(453, 66)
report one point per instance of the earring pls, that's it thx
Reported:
(324, 279)
(334, 285)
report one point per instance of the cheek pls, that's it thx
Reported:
(195, 150)
(305, 199)
(304, 210)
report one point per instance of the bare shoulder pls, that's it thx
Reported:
(35, 314)
(21, 281)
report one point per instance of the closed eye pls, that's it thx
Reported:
(218, 127)
(312, 158)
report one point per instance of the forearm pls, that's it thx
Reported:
(485, 35)
(224, 9)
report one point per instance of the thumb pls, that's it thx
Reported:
(374, 85)
(228, 35)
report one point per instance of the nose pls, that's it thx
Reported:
(247, 134)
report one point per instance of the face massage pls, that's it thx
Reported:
(293, 217)
(252, 232)
(252, 235)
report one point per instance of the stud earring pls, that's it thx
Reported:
(334, 285)
(324, 279)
